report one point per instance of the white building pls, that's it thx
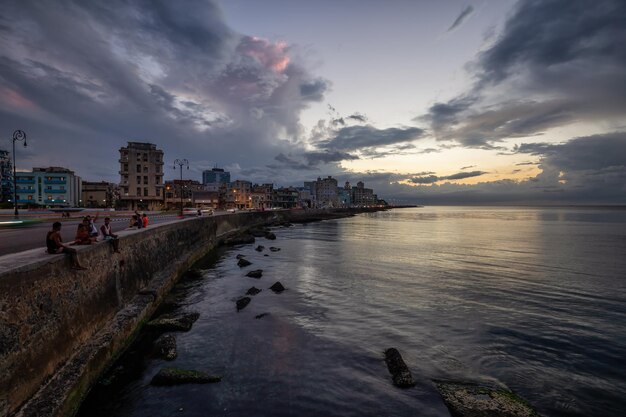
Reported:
(52, 186)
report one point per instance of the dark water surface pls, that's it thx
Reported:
(533, 299)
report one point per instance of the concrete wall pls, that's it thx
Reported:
(60, 328)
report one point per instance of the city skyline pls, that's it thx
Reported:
(473, 102)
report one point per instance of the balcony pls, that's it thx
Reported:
(55, 191)
(24, 191)
(51, 182)
(24, 181)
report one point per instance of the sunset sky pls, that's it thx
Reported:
(430, 102)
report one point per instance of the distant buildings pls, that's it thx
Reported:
(215, 176)
(100, 194)
(52, 186)
(326, 193)
(6, 177)
(141, 176)
(174, 189)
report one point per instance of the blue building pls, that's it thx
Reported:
(215, 176)
(53, 186)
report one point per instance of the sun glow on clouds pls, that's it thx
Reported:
(270, 55)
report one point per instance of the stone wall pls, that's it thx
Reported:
(60, 328)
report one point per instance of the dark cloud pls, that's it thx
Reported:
(149, 71)
(315, 158)
(465, 13)
(556, 62)
(358, 117)
(431, 179)
(353, 138)
(467, 167)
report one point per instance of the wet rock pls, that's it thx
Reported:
(243, 262)
(176, 376)
(266, 254)
(260, 316)
(258, 232)
(242, 239)
(174, 322)
(473, 400)
(257, 273)
(277, 287)
(259, 248)
(242, 303)
(253, 291)
(165, 346)
(274, 249)
(270, 236)
(193, 274)
(240, 256)
(397, 368)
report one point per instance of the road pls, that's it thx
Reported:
(18, 239)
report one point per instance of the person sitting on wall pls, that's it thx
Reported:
(55, 245)
(139, 221)
(108, 234)
(82, 235)
(134, 222)
(144, 220)
(91, 226)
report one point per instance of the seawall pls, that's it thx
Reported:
(60, 328)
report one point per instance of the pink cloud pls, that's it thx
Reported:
(270, 55)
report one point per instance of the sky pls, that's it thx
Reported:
(427, 102)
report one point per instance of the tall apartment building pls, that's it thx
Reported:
(262, 196)
(239, 195)
(141, 176)
(52, 186)
(362, 196)
(326, 192)
(6, 177)
(215, 176)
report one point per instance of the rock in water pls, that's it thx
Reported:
(257, 273)
(258, 232)
(239, 256)
(472, 400)
(270, 236)
(175, 376)
(166, 347)
(242, 303)
(253, 291)
(171, 322)
(243, 262)
(259, 248)
(260, 316)
(397, 368)
(274, 249)
(277, 287)
(241, 239)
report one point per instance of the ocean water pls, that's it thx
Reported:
(532, 299)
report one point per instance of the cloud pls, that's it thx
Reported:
(467, 167)
(315, 158)
(353, 138)
(556, 62)
(465, 13)
(431, 179)
(149, 71)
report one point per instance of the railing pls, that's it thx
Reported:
(24, 181)
(24, 191)
(55, 191)
(50, 182)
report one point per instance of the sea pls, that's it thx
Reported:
(530, 299)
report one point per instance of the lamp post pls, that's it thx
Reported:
(17, 135)
(181, 163)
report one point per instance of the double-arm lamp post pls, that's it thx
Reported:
(17, 135)
(181, 163)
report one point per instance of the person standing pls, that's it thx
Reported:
(55, 245)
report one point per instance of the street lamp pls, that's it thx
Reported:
(17, 135)
(181, 163)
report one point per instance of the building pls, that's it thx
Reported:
(262, 196)
(206, 199)
(100, 194)
(6, 177)
(362, 196)
(286, 197)
(326, 192)
(52, 186)
(215, 176)
(141, 176)
(173, 190)
(305, 199)
(239, 195)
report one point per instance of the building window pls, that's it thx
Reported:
(30, 197)
(126, 190)
(125, 167)
(158, 192)
(138, 179)
(145, 168)
(145, 192)
(145, 180)
(138, 191)
(138, 168)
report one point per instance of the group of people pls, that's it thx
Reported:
(87, 233)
